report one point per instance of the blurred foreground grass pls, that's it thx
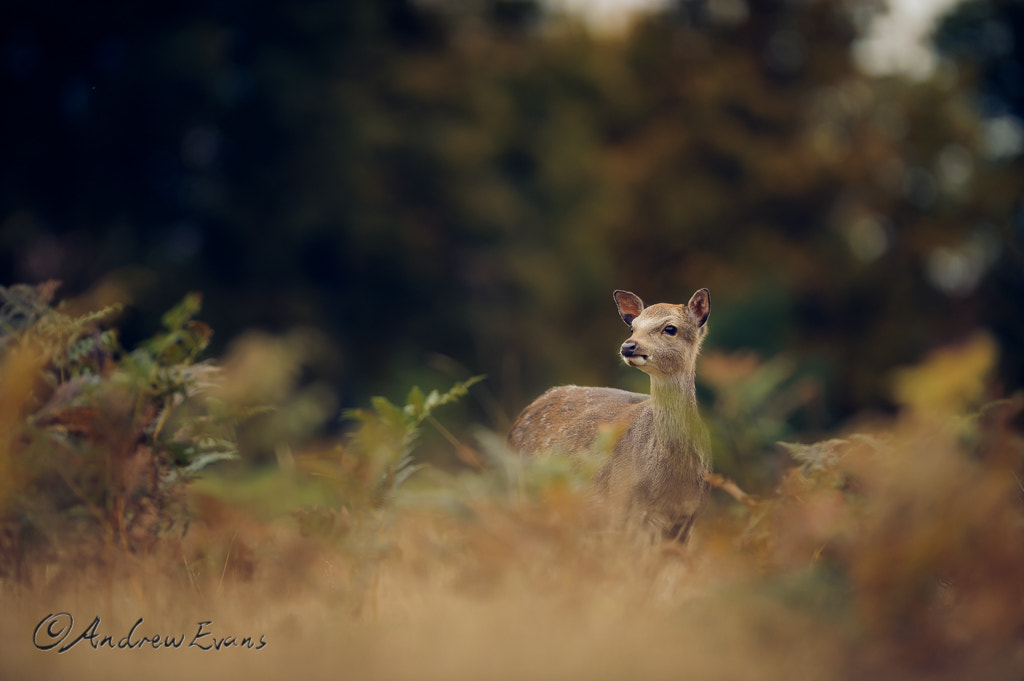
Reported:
(891, 551)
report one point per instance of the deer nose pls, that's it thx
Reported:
(629, 348)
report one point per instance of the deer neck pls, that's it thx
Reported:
(674, 402)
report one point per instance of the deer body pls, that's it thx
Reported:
(656, 467)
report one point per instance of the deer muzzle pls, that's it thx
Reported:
(632, 354)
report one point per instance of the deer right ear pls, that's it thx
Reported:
(629, 304)
(700, 306)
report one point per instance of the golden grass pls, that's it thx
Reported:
(506, 596)
(894, 554)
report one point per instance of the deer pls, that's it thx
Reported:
(656, 468)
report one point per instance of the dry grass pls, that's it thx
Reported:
(894, 554)
(510, 594)
(894, 560)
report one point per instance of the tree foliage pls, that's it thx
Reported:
(483, 174)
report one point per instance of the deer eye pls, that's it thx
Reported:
(670, 330)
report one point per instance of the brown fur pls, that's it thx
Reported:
(655, 471)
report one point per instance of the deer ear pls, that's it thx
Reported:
(629, 304)
(700, 306)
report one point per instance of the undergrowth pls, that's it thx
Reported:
(97, 442)
(891, 550)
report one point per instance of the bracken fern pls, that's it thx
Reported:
(97, 441)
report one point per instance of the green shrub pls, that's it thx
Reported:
(98, 442)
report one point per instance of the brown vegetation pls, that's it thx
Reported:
(892, 551)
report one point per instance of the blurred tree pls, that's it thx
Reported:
(986, 35)
(984, 39)
(473, 179)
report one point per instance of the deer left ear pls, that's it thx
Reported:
(700, 306)
(629, 304)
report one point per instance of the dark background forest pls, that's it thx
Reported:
(432, 190)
